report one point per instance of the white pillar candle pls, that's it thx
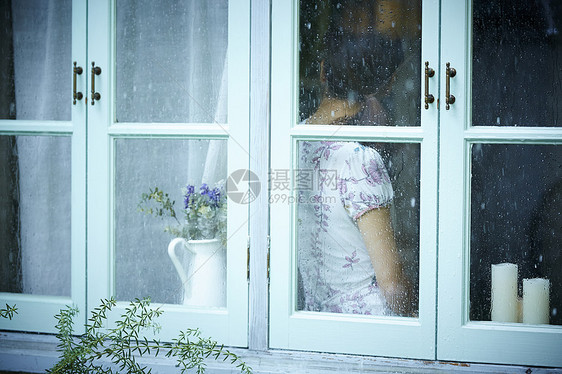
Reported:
(504, 292)
(536, 301)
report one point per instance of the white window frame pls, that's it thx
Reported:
(228, 326)
(36, 313)
(459, 338)
(298, 330)
(93, 132)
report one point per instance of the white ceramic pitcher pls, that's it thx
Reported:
(204, 274)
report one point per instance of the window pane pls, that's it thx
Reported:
(517, 47)
(142, 236)
(360, 60)
(35, 60)
(516, 201)
(357, 227)
(171, 61)
(35, 215)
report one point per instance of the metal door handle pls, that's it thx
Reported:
(429, 72)
(96, 70)
(449, 73)
(76, 95)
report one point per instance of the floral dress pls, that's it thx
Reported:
(334, 267)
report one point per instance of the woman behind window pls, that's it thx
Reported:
(347, 256)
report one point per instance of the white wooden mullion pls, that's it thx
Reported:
(110, 97)
(430, 169)
(451, 262)
(25, 127)
(171, 129)
(466, 237)
(79, 166)
(36, 313)
(358, 133)
(259, 164)
(238, 158)
(186, 135)
(282, 118)
(100, 269)
(528, 135)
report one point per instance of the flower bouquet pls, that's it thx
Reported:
(204, 210)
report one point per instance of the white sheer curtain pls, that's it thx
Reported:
(215, 161)
(170, 60)
(42, 59)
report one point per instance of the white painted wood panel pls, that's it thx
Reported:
(459, 338)
(36, 312)
(230, 325)
(259, 164)
(289, 328)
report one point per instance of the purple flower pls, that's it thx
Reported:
(214, 196)
(190, 190)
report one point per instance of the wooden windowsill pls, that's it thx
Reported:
(34, 353)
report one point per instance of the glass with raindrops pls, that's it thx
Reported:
(153, 178)
(357, 226)
(35, 180)
(171, 63)
(516, 63)
(35, 215)
(516, 233)
(358, 203)
(35, 60)
(366, 53)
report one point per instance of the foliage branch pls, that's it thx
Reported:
(123, 344)
(8, 312)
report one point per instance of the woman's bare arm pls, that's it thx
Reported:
(378, 236)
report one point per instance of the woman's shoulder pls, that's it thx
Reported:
(343, 153)
(355, 150)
